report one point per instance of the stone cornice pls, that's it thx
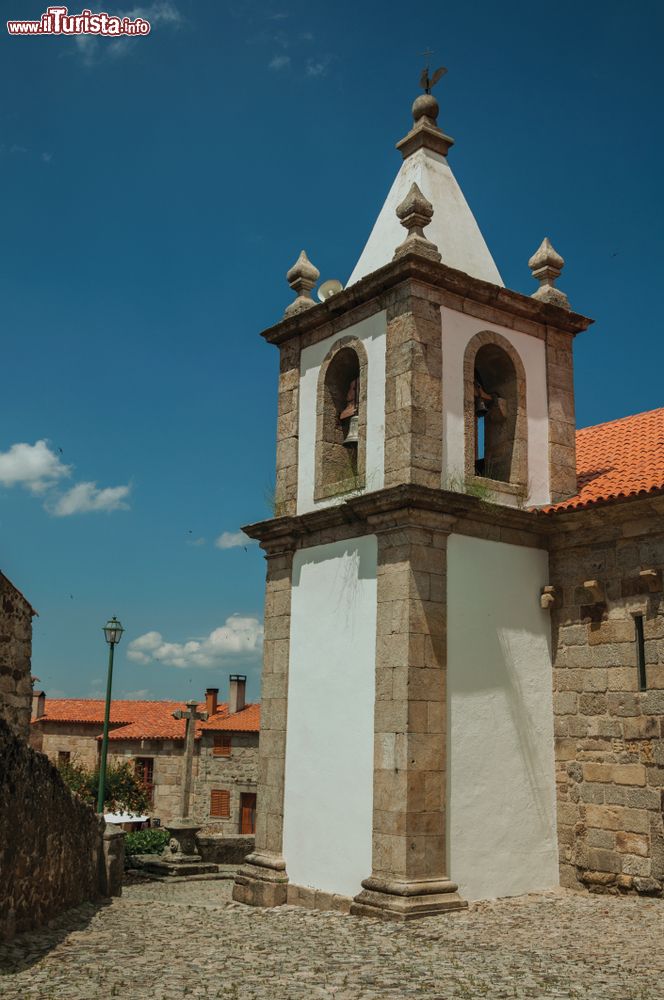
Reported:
(442, 510)
(391, 508)
(413, 267)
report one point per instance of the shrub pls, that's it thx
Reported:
(123, 791)
(146, 841)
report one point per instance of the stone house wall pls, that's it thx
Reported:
(167, 771)
(76, 738)
(609, 735)
(15, 653)
(237, 773)
(54, 849)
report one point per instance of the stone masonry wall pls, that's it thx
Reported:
(237, 773)
(15, 652)
(80, 740)
(51, 843)
(609, 734)
(167, 771)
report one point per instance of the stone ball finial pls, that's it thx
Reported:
(302, 277)
(426, 106)
(546, 265)
(414, 213)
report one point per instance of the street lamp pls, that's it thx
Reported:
(113, 632)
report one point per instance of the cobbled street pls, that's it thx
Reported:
(189, 940)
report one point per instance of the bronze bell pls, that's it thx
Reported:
(352, 432)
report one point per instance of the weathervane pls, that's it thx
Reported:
(427, 82)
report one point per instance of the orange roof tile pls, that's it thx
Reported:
(246, 721)
(623, 458)
(92, 710)
(144, 720)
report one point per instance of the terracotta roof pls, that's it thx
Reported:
(144, 720)
(246, 721)
(92, 710)
(623, 458)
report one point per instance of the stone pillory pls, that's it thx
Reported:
(463, 690)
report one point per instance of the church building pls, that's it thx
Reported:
(463, 680)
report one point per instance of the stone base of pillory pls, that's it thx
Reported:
(180, 856)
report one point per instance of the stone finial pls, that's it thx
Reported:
(414, 213)
(546, 266)
(425, 132)
(302, 277)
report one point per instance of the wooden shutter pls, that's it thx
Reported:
(222, 745)
(220, 802)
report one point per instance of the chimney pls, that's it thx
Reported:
(38, 704)
(237, 693)
(211, 701)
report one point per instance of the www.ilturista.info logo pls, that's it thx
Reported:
(58, 21)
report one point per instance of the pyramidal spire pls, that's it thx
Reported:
(453, 228)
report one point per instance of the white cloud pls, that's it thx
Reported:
(141, 695)
(162, 12)
(35, 466)
(85, 497)
(279, 62)
(233, 540)
(318, 67)
(47, 157)
(238, 637)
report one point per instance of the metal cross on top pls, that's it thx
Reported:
(426, 81)
(191, 716)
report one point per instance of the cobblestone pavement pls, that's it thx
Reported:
(188, 940)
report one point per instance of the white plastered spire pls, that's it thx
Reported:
(453, 228)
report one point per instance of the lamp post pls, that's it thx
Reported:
(113, 631)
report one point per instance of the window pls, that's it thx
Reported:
(222, 745)
(640, 653)
(495, 411)
(220, 802)
(341, 420)
(64, 757)
(144, 770)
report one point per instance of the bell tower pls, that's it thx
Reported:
(425, 413)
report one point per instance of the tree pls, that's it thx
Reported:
(123, 791)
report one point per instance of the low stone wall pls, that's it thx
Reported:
(55, 852)
(15, 651)
(224, 849)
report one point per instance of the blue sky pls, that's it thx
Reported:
(155, 193)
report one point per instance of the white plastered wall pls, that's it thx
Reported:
(328, 797)
(372, 333)
(458, 329)
(501, 815)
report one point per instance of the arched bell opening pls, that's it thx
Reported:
(341, 416)
(496, 419)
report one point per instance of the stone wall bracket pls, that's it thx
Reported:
(652, 579)
(596, 590)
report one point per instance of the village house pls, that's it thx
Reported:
(146, 734)
(463, 673)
